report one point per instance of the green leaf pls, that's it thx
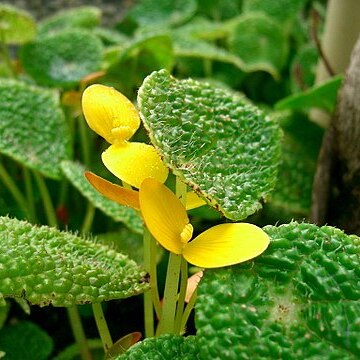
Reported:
(150, 13)
(283, 11)
(299, 300)
(85, 17)
(46, 266)
(72, 352)
(164, 347)
(224, 148)
(25, 340)
(33, 129)
(260, 43)
(320, 96)
(75, 174)
(16, 26)
(4, 311)
(62, 58)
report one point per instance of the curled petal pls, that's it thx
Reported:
(164, 215)
(192, 284)
(119, 194)
(226, 244)
(109, 113)
(133, 162)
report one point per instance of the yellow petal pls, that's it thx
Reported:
(119, 194)
(193, 201)
(164, 215)
(109, 113)
(226, 244)
(133, 162)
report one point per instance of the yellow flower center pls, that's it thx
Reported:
(186, 234)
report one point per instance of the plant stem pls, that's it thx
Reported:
(182, 293)
(89, 217)
(166, 324)
(78, 331)
(5, 51)
(102, 326)
(14, 190)
(45, 195)
(84, 141)
(29, 195)
(153, 278)
(187, 311)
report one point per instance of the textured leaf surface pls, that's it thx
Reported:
(46, 266)
(25, 340)
(164, 347)
(148, 13)
(85, 17)
(33, 129)
(260, 43)
(224, 148)
(75, 173)
(320, 96)
(62, 58)
(299, 300)
(16, 26)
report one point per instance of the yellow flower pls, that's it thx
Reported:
(221, 245)
(111, 115)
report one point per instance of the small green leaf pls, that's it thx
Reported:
(320, 96)
(260, 43)
(283, 11)
(84, 17)
(62, 58)
(46, 266)
(75, 173)
(33, 129)
(298, 300)
(224, 148)
(25, 340)
(164, 347)
(16, 26)
(149, 13)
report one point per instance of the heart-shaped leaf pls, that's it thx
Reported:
(46, 266)
(33, 129)
(224, 148)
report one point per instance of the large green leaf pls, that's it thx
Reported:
(320, 96)
(260, 43)
(62, 58)
(75, 173)
(224, 148)
(33, 130)
(149, 13)
(25, 340)
(299, 300)
(167, 347)
(46, 266)
(16, 26)
(86, 17)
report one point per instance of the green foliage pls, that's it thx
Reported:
(46, 266)
(25, 340)
(16, 26)
(62, 58)
(299, 300)
(75, 173)
(222, 147)
(25, 110)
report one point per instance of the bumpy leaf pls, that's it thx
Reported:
(25, 340)
(320, 96)
(225, 149)
(260, 43)
(75, 173)
(46, 266)
(33, 129)
(164, 347)
(62, 58)
(148, 13)
(16, 26)
(299, 300)
(86, 17)
(282, 10)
